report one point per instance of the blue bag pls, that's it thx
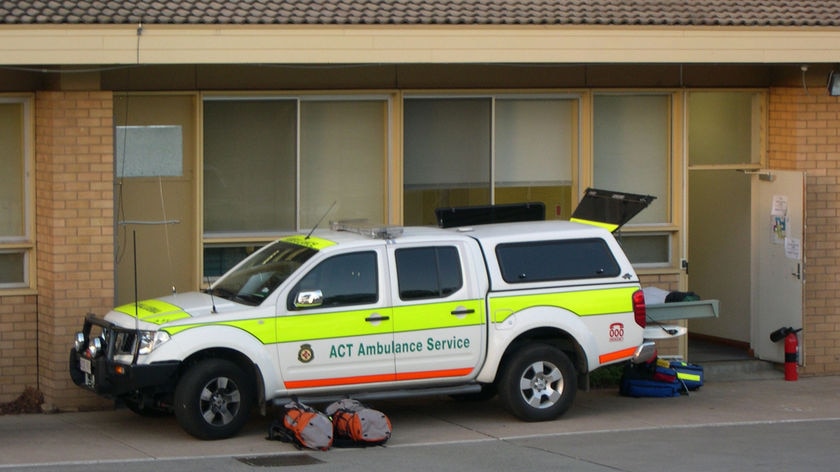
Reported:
(691, 375)
(649, 388)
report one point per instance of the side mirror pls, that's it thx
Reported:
(309, 299)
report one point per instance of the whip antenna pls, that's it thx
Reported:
(212, 298)
(321, 219)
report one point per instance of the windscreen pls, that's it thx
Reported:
(258, 276)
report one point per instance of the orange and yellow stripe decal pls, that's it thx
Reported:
(617, 355)
(361, 379)
(599, 301)
(434, 374)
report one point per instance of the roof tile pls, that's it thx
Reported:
(824, 13)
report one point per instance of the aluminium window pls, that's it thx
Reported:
(726, 129)
(632, 140)
(16, 244)
(477, 150)
(281, 164)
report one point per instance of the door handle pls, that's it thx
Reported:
(798, 273)
(376, 317)
(462, 311)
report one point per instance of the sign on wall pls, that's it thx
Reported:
(149, 151)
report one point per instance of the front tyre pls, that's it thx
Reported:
(213, 399)
(538, 383)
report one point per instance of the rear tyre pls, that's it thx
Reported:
(538, 383)
(213, 399)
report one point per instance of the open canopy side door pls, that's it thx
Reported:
(609, 209)
(605, 208)
(450, 217)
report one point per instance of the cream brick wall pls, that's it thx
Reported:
(18, 341)
(804, 130)
(74, 230)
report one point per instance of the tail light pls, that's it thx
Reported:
(639, 310)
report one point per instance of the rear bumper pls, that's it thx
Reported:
(645, 352)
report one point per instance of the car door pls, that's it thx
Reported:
(439, 322)
(336, 328)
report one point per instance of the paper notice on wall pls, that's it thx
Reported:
(793, 248)
(780, 205)
(778, 219)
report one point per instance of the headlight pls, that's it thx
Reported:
(150, 340)
(79, 342)
(95, 347)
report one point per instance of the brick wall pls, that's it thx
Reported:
(804, 134)
(74, 230)
(18, 341)
(675, 346)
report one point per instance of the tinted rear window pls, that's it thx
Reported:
(428, 272)
(541, 261)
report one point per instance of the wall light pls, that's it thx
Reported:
(834, 83)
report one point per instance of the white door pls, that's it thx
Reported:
(439, 320)
(778, 258)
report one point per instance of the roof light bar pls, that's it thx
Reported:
(371, 231)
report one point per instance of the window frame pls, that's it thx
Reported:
(673, 226)
(258, 238)
(578, 101)
(759, 129)
(24, 243)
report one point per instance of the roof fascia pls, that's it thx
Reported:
(329, 44)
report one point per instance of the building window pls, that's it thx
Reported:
(726, 129)
(250, 162)
(462, 151)
(536, 148)
(15, 233)
(275, 165)
(446, 155)
(632, 153)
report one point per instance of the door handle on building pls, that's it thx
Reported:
(798, 273)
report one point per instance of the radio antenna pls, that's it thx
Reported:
(136, 301)
(212, 298)
(320, 220)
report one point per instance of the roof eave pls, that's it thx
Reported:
(384, 44)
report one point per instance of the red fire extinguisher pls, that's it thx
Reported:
(791, 350)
